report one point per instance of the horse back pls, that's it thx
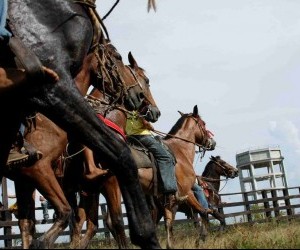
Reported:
(59, 32)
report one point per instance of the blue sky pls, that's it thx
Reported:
(237, 60)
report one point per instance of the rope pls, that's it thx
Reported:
(111, 9)
(177, 137)
(77, 153)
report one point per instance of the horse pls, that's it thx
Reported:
(210, 180)
(89, 190)
(189, 131)
(61, 33)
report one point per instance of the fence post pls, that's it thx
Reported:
(266, 204)
(287, 201)
(104, 214)
(275, 202)
(8, 216)
(247, 206)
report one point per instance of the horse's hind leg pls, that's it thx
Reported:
(114, 222)
(90, 205)
(26, 211)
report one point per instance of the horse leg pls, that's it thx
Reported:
(221, 218)
(26, 210)
(77, 224)
(169, 217)
(115, 223)
(43, 176)
(197, 207)
(90, 205)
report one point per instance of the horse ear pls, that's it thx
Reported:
(180, 113)
(195, 111)
(212, 157)
(132, 61)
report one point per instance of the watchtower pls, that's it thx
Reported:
(261, 169)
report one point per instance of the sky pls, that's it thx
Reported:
(238, 61)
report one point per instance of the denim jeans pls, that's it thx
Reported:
(164, 159)
(3, 12)
(200, 196)
(45, 206)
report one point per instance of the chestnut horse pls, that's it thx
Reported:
(108, 185)
(52, 140)
(211, 179)
(61, 33)
(187, 132)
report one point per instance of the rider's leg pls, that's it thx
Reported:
(200, 196)
(91, 170)
(166, 165)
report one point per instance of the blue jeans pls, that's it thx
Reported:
(3, 12)
(165, 161)
(200, 196)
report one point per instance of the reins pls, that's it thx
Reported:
(180, 138)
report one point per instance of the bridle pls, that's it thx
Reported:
(111, 81)
(204, 131)
(201, 127)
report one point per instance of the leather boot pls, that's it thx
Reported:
(16, 158)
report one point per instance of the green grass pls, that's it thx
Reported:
(273, 235)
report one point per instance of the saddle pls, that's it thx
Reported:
(137, 145)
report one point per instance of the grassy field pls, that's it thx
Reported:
(271, 235)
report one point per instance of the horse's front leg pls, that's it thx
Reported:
(197, 207)
(169, 217)
(43, 176)
(141, 226)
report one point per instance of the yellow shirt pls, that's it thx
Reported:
(135, 126)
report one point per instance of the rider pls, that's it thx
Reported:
(200, 195)
(140, 129)
(12, 78)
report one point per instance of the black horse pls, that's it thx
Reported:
(60, 33)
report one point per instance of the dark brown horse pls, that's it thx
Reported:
(108, 185)
(52, 140)
(60, 33)
(210, 181)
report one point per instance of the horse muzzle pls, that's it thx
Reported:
(211, 144)
(152, 113)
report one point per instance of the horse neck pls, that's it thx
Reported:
(211, 173)
(181, 147)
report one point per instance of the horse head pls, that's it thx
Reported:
(148, 108)
(115, 79)
(202, 136)
(224, 168)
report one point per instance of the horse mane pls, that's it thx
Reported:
(176, 127)
(206, 169)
